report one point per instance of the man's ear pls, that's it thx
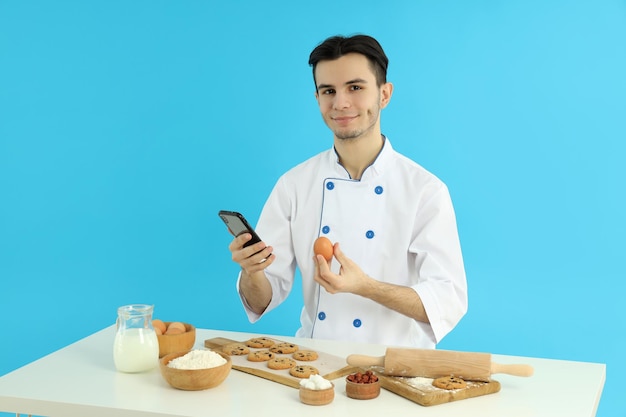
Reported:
(386, 90)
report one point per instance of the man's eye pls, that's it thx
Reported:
(355, 87)
(328, 91)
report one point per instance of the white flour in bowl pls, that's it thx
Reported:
(197, 359)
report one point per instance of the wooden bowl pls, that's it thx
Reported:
(317, 396)
(364, 391)
(170, 343)
(194, 379)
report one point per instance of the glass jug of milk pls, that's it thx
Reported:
(136, 347)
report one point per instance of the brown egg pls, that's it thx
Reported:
(175, 327)
(159, 326)
(174, 330)
(323, 246)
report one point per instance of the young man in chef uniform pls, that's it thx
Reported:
(397, 275)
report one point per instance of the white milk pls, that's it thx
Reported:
(136, 350)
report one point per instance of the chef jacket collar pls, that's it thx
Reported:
(374, 170)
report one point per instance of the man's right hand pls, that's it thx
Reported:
(253, 258)
(253, 285)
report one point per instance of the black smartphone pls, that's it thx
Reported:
(237, 224)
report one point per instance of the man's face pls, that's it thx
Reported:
(348, 97)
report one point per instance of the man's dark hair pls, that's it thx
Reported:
(337, 46)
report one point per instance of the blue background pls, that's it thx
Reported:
(126, 125)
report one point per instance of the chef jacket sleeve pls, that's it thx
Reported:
(274, 229)
(441, 284)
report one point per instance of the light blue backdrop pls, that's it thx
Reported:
(126, 125)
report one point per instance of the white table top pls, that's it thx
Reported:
(81, 380)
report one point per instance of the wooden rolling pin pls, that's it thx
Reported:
(433, 363)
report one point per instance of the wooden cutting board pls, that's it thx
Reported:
(421, 390)
(418, 390)
(330, 366)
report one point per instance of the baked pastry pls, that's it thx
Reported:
(260, 342)
(260, 356)
(449, 382)
(284, 347)
(303, 371)
(236, 349)
(305, 355)
(281, 362)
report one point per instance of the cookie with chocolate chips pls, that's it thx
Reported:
(260, 342)
(303, 371)
(260, 356)
(281, 362)
(305, 355)
(235, 349)
(449, 382)
(283, 348)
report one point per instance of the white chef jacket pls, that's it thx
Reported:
(397, 223)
